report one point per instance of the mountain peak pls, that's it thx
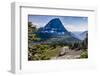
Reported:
(55, 29)
(55, 25)
(56, 19)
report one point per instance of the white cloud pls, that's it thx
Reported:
(74, 28)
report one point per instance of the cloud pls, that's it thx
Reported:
(75, 28)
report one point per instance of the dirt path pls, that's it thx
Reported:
(70, 54)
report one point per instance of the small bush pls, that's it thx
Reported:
(42, 52)
(84, 54)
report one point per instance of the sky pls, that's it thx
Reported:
(71, 23)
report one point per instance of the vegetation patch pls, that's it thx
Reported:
(84, 54)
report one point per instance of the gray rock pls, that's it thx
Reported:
(63, 51)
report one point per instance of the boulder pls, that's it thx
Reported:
(63, 51)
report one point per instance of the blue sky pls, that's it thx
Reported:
(71, 23)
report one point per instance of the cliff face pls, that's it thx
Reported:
(54, 30)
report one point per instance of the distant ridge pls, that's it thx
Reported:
(79, 35)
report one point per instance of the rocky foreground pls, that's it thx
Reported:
(67, 53)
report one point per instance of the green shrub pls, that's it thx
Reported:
(42, 52)
(84, 54)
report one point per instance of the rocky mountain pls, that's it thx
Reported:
(79, 35)
(83, 35)
(55, 30)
